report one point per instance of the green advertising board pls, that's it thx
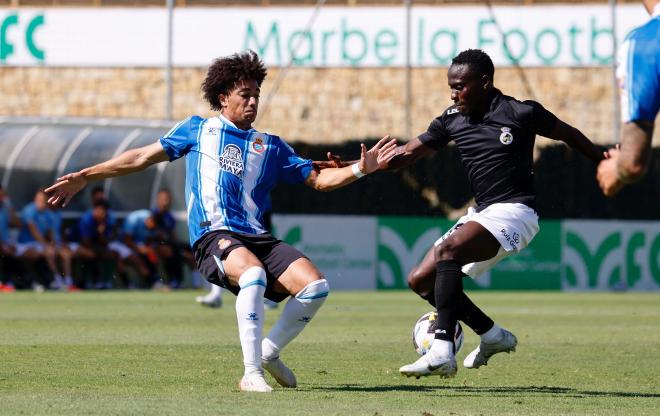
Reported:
(403, 242)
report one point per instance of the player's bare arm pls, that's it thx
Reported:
(130, 161)
(576, 140)
(629, 161)
(332, 178)
(404, 155)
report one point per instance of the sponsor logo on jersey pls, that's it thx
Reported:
(506, 137)
(258, 145)
(231, 160)
(452, 111)
(223, 243)
(212, 130)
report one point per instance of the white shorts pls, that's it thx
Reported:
(513, 225)
(120, 248)
(22, 248)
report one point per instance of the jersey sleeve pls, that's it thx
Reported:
(541, 120)
(436, 136)
(292, 168)
(181, 138)
(85, 227)
(638, 74)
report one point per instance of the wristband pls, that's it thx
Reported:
(356, 171)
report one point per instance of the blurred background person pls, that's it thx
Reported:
(38, 234)
(8, 265)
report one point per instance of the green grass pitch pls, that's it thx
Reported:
(152, 353)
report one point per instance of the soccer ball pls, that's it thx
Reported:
(424, 333)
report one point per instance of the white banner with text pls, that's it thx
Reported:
(559, 35)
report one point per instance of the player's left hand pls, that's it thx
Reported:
(369, 159)
(607, 174)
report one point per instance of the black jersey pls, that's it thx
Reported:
(496, 150)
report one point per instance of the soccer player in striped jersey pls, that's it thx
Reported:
(230, 169)
(638, 74)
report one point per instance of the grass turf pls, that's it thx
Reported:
(153, 353)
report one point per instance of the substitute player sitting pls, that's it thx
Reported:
(494, 134)
(230, 169)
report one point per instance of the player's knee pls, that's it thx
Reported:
(446, 251)
(317, 290)
(254, 275)
(414, 279)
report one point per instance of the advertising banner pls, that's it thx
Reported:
(342, 247)
(559, 35)
(569, 255)
(602, 255)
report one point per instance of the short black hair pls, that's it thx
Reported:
(101, 203)
(476, 59)
(226, 71)
(97, 189)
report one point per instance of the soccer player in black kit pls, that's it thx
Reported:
(494, 134)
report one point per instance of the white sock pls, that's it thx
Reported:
(441, 349)
(215, 293)
(250, 316)
(492, 336)
(297, 313)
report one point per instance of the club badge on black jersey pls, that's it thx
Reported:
(506, 137)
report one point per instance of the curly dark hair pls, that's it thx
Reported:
(226, 71)
(476, 59)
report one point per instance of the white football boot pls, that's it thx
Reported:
(254, 383)
(428, 365)
(484, 351)
(209, 300)
(280, 372)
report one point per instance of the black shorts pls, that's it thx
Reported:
(275, 255)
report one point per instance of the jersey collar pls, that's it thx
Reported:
(226, 121)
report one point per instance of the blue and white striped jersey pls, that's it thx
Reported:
(230, 172)
(638, 72)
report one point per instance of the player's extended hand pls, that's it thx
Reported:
(607, 174)
(370, 159)
(65, 188)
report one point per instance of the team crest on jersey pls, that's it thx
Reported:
(506, 137)
(231, 160)
(258, 145)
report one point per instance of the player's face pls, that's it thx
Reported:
(40, 201)
(467, 88)
(99, 213)
(241, 104)
(163, 201)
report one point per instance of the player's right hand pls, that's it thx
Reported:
(65, 188)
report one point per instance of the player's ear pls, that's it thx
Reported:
(222, 99)
(486, 82)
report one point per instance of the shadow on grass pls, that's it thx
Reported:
(495, 391)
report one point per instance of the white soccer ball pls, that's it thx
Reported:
(424, 333)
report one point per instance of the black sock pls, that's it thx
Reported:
(448, 289)
(473, 316)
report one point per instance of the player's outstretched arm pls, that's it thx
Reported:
(629, 161)
(130, 161)
(576, 140)
(404, 155)
(329, 179)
